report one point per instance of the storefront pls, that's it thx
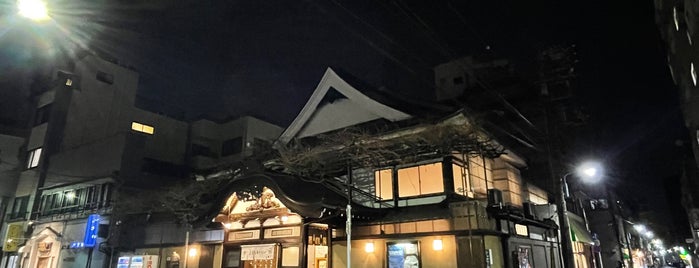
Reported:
(64, 244)
(528, 242)
(14, 237)
(582, 242)
(263, 232)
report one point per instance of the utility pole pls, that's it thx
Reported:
(566, 242)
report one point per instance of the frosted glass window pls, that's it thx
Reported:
(420, 180)
(461, 182)
(384, 184)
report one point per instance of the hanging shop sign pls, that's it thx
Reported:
(91, 228)
(13, 237)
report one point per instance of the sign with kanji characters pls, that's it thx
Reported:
(13, 237)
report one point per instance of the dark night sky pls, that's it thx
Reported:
(264, 58)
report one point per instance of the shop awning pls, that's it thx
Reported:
(578, 232)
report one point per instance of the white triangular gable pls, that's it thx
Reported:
(357, 108)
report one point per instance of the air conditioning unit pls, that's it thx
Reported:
(494, 197)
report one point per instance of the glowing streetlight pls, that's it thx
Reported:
(33, 9)
(590, 172)
(640, 228)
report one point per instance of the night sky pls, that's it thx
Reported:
(227, 58)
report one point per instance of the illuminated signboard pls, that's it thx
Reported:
(521, 230)
(93, 223)
(13, 236)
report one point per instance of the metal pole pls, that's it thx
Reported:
(566, 242)
(348, 224)
(615, 224)
(186, 248)
(348, 229)
(111, 257)
(88, 263)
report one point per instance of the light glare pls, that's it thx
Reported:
(369, 247)
(649, 234)
(639, 228)
(33, 9)
(437, 244)
(590, 172)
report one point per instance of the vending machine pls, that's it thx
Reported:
(136, 262)
(123, 262)
(139, 261)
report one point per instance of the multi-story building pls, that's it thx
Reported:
(353, 160)
(10, 165)
(678, 23)
(87, 140)
(90, 149)
(540, 117)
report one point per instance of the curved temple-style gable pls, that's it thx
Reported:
(335, 104)
(266, 205)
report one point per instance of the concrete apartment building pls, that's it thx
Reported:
(85, 138)
(89, 149)
(10, 166)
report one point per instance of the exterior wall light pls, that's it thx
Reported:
(192, 252)
(369, 247)
(437, 244)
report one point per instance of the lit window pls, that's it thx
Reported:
(33, 158)
(384, 184)
(142, 128)
(69, 82)
(462, 184)
(693, 72)
(521, 230)
(420, 180)
(674, 16)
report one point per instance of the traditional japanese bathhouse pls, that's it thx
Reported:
(277, 220)
(429, 190)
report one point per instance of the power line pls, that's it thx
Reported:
(450, 53)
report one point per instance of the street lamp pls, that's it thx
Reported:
(590, 173)
(33, 9)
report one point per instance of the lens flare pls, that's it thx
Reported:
(33, 9)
